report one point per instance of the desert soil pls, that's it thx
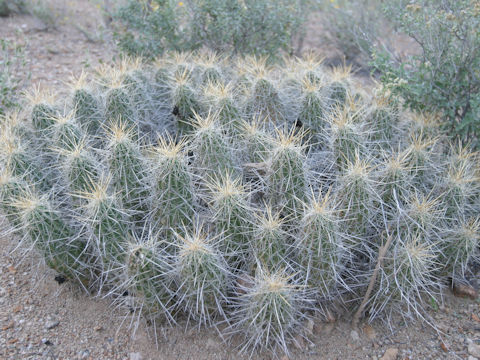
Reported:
(43, 319)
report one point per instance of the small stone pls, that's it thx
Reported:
(8, 326)
(299, 342)
(135, 356)
(472, 358)
(211, 343)
(50, 324)
(464, 291)
(84, 354)
(475, 317)
(330, 317)
(46, 342)
(328, 328)
(309, 326)
(473, 349)
(369, 332)
(60, 279)
(354, 335)
(390, 354)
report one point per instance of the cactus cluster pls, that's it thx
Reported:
(239, 193)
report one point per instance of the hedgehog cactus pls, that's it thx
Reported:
(203, 274)
(43, 109)
(18, 159)
(356, 193)
(346, 137)
(11, 188)
(232, 217)
(320, 247)
(54, 238)
(338, 87)
(408, 278)
(461, 246)
(149, 279)
(79, 166)
(271, 246)
(312, 108)
(382, 119)
(257, 143)
(268, 309)
(222, 103)
(287, 183)
(394, 179)
(106, 221)
(173, 203)
(86, 105)
(212, 153)
(185, 103)
(66, 132)
(128, 168)
(264, 100)
(111, 186)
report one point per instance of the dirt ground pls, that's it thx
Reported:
(42, 319)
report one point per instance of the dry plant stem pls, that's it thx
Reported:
(381, 255)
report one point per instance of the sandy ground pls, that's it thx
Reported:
(42, 319)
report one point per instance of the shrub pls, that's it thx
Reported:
(443, 78)
(354, 27)
(11, 62)
(8, 7)
(264, 27)
(238, 216)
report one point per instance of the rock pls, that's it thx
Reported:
(299, 342)
(354, 335)
(323, 328)
(10, 325)
(50, 324)
(309, 326)
(46, 342)
(473, 349)
(369, 332)
(330, 317)
(472, 358)
(135, 356)
(328, 329)
(464, 291)
(390, 354)
(475, 317)
(211, 343)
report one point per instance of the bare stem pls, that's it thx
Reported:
(381, 255)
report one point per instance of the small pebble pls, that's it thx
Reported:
(354, 335)
(390, 354)
(46, 342)
(135, 356)
(51, 324)
(473, 349)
